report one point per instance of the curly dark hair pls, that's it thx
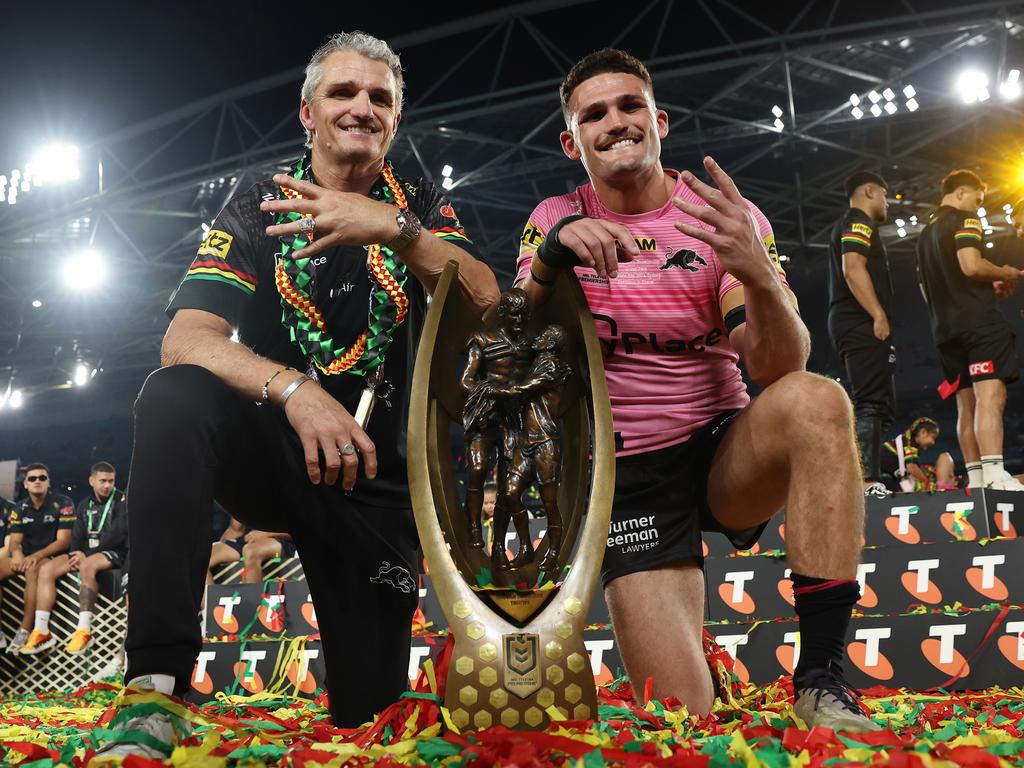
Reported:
(598, 63)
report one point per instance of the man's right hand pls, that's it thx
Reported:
(599, 244)
(323, 425)
(75, 559)
(881, 327)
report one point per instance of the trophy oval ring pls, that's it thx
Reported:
(519, 655)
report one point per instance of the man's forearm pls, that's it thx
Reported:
(863, 290)
(427, 257)
(776, 341)
(235, 364)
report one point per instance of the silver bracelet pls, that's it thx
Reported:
(265, 392)
(290, 389)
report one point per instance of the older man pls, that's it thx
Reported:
(683, 281)
(267, 427)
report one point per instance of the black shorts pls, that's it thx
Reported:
(988, 352)
(287, 548)
(870, 372)
(116, 558)
(661, 505)
(235, 544)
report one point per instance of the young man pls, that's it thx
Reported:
(40, 529)
(99, 541)
(278, 450)
(683, 281)
(859, 310)
(977, 347)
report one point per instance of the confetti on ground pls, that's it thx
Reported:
(749, 726)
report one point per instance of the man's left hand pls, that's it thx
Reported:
(1003, 289)
(342, 218)
(735, 236)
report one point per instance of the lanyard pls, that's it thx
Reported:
(106, 511)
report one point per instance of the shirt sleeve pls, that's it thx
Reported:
(15, 525)
(856, 235)
(66, 516)
(764, 229)
(437, 214)
(969, 232)
(536, 229)
(78, 531)
(222, 277)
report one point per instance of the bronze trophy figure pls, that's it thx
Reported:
(531, 397)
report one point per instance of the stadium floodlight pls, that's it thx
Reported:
(913, 220)
(972, 86)
(874, 97)
(989, 244)
(901, 232)
(984, 223)
(15, 399)
(779, 125)
(447, 171)
(889, 94)
(81, 375)
(857, 113)
(854, 99)
(55, 164)
(912, 105)
(36, 303)
(890, 107)
(447, 182)
(900, 223)
(84, 270)
(909, 91)
(1010, 89)
(777, 110)
(876, 110)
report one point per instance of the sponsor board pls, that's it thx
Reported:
(246, 668)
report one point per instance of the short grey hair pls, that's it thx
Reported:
(365, 45)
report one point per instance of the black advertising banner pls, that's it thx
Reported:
(300, 615)
(236, 609)
(247, 668)
(914, 651)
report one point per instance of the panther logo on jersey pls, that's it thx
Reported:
(684, 259)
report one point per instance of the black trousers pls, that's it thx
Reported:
(870, 372)
(195, 441)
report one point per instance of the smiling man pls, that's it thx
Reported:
(325, 273)
(683, 282)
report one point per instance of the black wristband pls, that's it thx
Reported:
(553, 253)
(539, 280)
(735, 317)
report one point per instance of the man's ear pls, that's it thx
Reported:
(306, 116)
(568, 140)
(661, 117)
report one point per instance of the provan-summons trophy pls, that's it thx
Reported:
(530, 395)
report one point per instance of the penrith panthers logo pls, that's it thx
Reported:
(683, 259)
(395, 575)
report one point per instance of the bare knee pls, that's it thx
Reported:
(809, 402)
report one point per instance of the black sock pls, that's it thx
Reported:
(823, 607)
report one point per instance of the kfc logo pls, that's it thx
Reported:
(980, 369)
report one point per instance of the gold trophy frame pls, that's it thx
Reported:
(517, 654)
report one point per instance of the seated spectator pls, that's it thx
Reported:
(40, 528)
(920, 436)
(261, 546)
(228, 548)
(99, 541)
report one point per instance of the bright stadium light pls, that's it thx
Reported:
(890, 107)
(857, 113)
(912, 105)
(889, 94)
(900, 223)
(447, 171)
(989, 244)
(1010, 88)
(54, 164)
(777, 110)
(81, 375)
(779, 125)
(854, 99)
(972, 86)
(876, 110)
(447, 182)
(84, 270)
(874, 97)
(15, 399)
(982, 212)
(901, 232)
(909, 92)
(36, 303)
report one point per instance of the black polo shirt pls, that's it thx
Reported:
(6, 509)
(40, 526)
(956, 302)
(233, 276)
(857, 232)
(105, 525)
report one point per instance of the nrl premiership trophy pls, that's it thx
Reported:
(529, 392)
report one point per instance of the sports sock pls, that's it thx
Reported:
(823, 607)
(991, 468)
(85, 620)
(43, 622)
(975, 477)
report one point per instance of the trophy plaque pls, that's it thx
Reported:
(527, 388)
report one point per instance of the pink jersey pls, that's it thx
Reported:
(667, 357)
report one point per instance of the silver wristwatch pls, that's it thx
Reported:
(410, 230)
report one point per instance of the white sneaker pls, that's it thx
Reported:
(161, 726)
(877, 491)
(113, 668)
(1006, 482)
(17, 642)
